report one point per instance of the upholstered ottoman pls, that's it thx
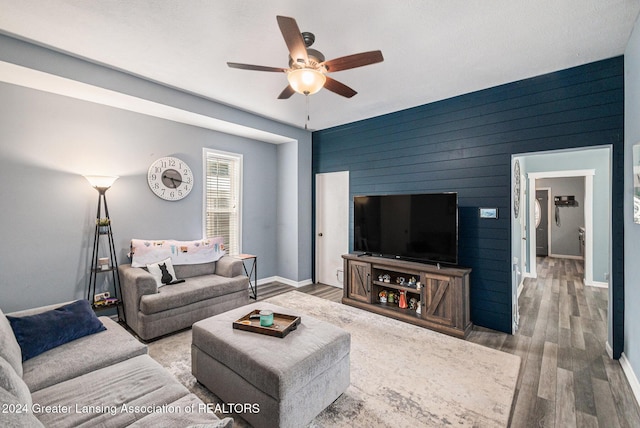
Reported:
(291, 379)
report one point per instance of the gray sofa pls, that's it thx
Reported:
(105, 379)
(209, 289)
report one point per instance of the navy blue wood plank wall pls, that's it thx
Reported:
(464, 144)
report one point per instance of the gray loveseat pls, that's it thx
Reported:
(208, 289)
(104, 379)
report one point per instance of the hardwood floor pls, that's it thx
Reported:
(566, 377)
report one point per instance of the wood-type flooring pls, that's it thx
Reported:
(566, 377)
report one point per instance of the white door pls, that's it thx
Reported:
(332, 226)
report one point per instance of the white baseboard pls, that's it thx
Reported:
(631, 376)
(609, 349)
(285, 281)
(598, 284)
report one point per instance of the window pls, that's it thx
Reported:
(222, 196)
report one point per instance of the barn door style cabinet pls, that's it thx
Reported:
(421, 294)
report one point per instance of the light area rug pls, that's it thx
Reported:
(401, 375)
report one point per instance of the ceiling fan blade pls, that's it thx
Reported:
(293, 38)
(353, 61)
(286, 93)
(339, 88)
(255, 67)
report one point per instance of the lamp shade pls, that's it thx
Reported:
(101, 181)
(306, 81)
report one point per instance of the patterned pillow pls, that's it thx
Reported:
(163, 272)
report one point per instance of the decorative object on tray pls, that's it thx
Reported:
(383, 296)
(281, 326)
(266, 318)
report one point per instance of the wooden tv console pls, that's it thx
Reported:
(443, 294)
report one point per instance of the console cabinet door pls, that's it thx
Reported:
(360, 281)
(438, 297)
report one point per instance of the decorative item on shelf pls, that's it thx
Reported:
(419, 308)
(380, 277)
(391, 297)
(412, 281)
(412, 303)
(103, 225)
(418, 285)
(383, 296)
(402, 302)
(386, 278)
(103, 263)
(400, 280)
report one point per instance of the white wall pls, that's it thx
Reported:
(631, 230)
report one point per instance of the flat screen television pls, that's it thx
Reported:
(419, 227)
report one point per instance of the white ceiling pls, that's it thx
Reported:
(433, 49)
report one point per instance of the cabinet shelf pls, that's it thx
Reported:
(397, 287)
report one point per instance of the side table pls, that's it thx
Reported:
(252, 273)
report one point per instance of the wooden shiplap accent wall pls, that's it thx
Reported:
(464, 144)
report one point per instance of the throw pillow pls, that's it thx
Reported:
(163, 272)
(40, 332)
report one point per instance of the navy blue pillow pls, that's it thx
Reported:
(40, 332)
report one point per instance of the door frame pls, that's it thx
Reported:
(318, 218)
(588, 218)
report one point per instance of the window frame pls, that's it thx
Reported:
(238, 157)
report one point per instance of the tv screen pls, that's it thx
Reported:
(420, 227)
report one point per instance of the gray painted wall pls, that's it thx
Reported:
(48, 141)
(564, 237)
(631, 230)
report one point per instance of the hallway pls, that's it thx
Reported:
(566, 378)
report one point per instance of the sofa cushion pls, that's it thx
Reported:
(188, 271)
(139, 384)
(20, 417)
(195, 289)
(195, 415)
(39, 333)
(9, 347)
(10, 381)
(82, 356)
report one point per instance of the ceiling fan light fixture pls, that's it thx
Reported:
(306, 81)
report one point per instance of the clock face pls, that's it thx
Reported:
(170, 178)
(516, 189)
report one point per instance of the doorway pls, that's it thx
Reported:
(332, 226)
(542, 222)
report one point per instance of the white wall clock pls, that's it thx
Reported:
(170, 178)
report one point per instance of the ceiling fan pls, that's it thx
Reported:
(307, 72)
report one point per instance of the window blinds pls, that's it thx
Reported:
(222, 198)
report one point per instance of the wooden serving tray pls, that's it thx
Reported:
(282, 324)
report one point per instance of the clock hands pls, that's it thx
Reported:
(173, 180)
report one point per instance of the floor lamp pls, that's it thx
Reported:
(103, 228)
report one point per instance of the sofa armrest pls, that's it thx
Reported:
(135, 283)
(229, 267)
